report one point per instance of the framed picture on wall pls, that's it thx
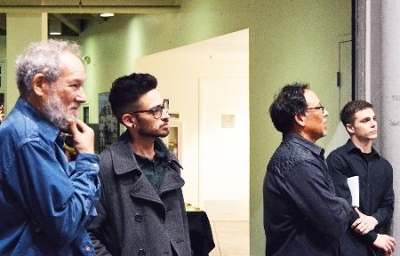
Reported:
(108, 124)
(86, 115)
(166, 104)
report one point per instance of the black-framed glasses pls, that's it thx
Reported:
(155, 111)
(319, 107)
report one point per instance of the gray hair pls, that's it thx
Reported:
(42, 58)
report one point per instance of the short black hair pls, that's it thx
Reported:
(289, 102)
(126, 91)
(351, 108)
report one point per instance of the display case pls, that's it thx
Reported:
(173, 140)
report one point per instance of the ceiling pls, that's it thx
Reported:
(71, 24)
(76, 15)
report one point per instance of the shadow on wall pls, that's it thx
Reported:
(339, 138)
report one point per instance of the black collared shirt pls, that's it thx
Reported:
(376, 187)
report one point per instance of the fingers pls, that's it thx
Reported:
(360, 214)
(81, 126)
(390, 245)
(72, 126)
(364, 224)
(355, 224)
(360, 227)
(77, 126)
(83, 136)
(358, 221)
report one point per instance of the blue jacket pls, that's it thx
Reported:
(133, 218)
(45, 200)
(302, 215)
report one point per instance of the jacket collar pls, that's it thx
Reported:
(42, 124)
(122, 147)
(316, 149)
(350, 147)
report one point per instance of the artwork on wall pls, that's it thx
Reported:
(108, 124)
(166, 104)
(86, 115)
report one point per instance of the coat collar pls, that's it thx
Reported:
(125, 164)
(315, 148)
(351, 147)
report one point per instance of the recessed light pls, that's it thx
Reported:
(55, 27)
(107, 14)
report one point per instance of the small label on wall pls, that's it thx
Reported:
(228, 121)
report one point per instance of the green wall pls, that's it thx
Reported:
(3, 63)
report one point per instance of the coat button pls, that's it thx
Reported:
(139, 217)
(87, 248)
(142, 252)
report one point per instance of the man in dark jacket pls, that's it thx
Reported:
(302, 215)
(141, 209)
(368, 234)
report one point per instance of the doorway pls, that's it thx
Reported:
(188, 77)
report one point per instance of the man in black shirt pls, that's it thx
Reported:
(367, 236)
(302, 214)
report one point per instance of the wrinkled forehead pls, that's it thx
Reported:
(72, 66)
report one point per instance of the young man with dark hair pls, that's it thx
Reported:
(367, 236)
(141, 209)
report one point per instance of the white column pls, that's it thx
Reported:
(22, 29)
(390, 125)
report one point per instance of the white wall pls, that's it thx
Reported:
(178, 75)
(224, 147)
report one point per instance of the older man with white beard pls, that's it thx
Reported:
(47, 200)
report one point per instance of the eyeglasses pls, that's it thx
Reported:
(319, 107)
(156, 111)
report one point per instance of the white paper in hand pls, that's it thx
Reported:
(354, 190)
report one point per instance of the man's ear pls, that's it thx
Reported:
(300, 119)
(350, 128)
(39, 84)
(128, 120)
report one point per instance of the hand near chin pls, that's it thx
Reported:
(83, 136)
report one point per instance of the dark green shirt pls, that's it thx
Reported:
(153, 168)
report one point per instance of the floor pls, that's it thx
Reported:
(231, 238)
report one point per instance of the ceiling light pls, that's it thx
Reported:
(55, 27)
(107, 14)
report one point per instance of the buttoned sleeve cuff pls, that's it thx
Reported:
(84, 158)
